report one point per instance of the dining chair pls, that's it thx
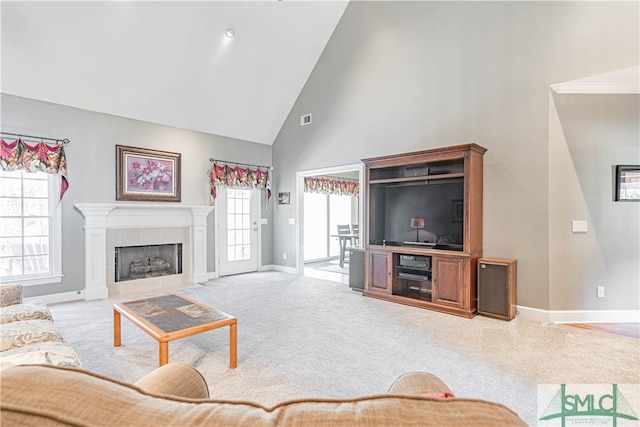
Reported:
(344, 229)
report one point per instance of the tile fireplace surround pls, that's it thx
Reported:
(109, 225)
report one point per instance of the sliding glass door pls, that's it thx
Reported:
(322, 214)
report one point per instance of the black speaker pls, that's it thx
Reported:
(497, 288)
(356, 269)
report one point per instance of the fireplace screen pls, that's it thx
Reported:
(139, 262)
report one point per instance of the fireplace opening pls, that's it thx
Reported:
(140, 262)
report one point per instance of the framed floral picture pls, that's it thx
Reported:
(147, 175)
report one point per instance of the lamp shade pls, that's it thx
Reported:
(417, 222)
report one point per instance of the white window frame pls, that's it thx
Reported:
(55, 241)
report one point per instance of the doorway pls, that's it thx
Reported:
(238, 212)
(318, 216)
(322, 215)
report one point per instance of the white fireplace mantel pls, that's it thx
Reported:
(98, 217)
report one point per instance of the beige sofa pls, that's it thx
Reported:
(177, 395)
(28, 334)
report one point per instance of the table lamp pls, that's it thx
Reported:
(417, 223)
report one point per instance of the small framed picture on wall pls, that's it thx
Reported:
(284, 198)
(627, 183)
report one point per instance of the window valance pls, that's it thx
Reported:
(40, 157)
(330, 185)
(236, 175)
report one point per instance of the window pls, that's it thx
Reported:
(30, 241)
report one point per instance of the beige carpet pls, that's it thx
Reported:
(305, 337)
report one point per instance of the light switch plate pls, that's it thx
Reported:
(292, 221)
(579, 226)
(264, 220)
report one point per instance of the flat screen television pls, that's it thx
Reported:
(438, 202)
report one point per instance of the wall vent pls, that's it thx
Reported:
(305, 119)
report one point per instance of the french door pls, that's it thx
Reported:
(238, 225)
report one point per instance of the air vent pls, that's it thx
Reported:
(305, 119)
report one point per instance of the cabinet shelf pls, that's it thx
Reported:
(417, 178)
(412, 276)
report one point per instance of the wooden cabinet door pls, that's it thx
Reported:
(380, 268)
(448, 280)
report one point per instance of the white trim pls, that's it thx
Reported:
(33, 281)
(597, 88)
(56, 298)
(596, 316)
(56, 230)
(619, 82)
(54, 275)
(579, 316)
(358, 167)
(284, 269)
(208, 276)
(533, 314)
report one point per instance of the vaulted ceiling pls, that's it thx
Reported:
(169, 62)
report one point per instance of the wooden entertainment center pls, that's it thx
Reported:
(423, 228)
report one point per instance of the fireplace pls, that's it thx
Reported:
(109, 226)
(141, 262)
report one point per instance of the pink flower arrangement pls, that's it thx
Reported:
(151, 176)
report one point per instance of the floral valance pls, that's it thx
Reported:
(328, 185)
(233, 175)
(40, 157)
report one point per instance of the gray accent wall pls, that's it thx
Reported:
(92, 167)
(404, 76)
(589, 135)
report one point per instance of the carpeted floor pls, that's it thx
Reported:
(305, 337)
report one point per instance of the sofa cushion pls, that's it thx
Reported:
(77, 397)
(57, 353)
(10, 294)
(20, 334)
(29, 311)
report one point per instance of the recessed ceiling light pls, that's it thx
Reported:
(230, 33)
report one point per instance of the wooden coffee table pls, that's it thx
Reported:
(170, 317)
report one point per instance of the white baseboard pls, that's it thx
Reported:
(596, 316)
(202, 277)
(207, 276)
(579, 316)
(283, 269)
(91, 294)
(61, 297)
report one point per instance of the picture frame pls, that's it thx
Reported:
(284, 198)
(457, 210)
(145, 175)
(627, 183)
